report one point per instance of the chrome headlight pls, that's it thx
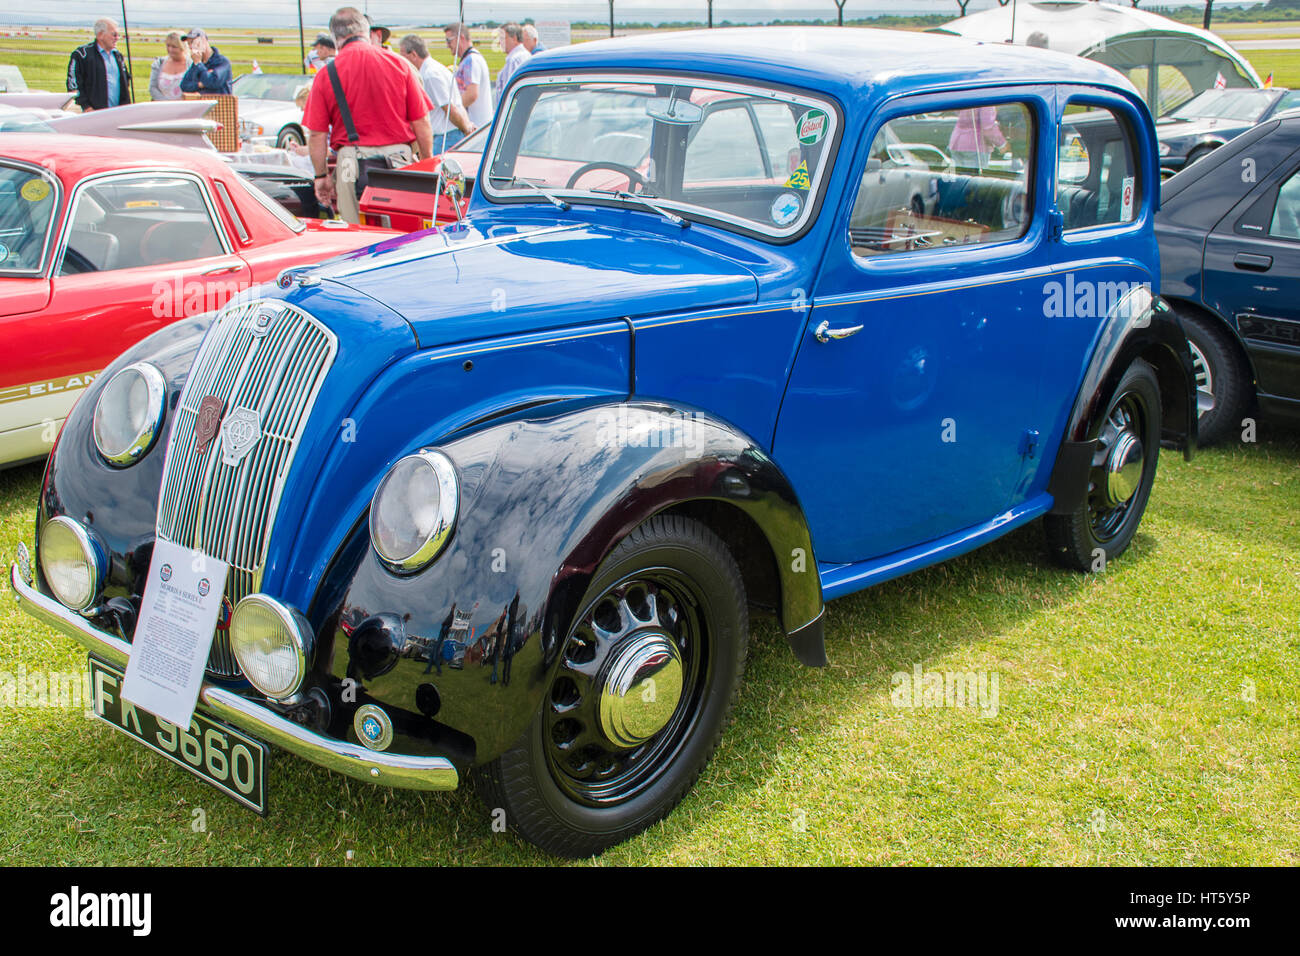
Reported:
(73, 563)
(129, 414)
(273, 644)
(414, 511)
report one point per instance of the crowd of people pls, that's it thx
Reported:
(99, 75)
(366, 104)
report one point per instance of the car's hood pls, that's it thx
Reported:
(1172, 131)
(481, 281)
(262, 109)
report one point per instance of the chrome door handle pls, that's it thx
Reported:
(825, 333)
(224, 270)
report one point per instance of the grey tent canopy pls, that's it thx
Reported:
(1169, 62)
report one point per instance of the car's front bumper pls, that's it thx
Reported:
(393, 770)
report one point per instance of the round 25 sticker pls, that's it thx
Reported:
(812, 127)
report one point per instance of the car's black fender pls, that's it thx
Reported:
(1139, 326)
(467, 647)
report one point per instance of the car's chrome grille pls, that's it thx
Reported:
(226, 510)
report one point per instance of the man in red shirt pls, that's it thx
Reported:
(388, 106)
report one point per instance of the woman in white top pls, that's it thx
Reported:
(165, 75)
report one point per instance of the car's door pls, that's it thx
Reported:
(914, 398)
(137, 251)
(1252, 274)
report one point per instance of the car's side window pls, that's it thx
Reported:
(1286, 214)
(122, 223)
(1288, 100)
(1096, 170)
(942, 179)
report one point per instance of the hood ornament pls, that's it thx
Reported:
(241, 430)
(207, 422)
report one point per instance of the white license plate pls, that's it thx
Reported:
(226, 758)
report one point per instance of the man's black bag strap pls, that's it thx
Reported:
(342, 101)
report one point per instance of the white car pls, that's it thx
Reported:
(267, 113)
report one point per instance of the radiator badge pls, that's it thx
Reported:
(239, 433)
(207, 423)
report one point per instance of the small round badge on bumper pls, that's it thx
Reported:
(373, 727)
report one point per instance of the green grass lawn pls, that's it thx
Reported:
(1147, 715)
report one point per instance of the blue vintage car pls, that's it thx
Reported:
(739, 320)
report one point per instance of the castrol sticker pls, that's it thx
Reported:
(812, 127)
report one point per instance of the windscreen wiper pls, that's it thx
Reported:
(555, 201)
(675, 219)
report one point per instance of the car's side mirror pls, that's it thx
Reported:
(451, 183)
(451, 179)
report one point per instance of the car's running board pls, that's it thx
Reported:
(841, 579)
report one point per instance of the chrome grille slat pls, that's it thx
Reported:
(227, 511)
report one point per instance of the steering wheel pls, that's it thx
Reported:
(633, 177)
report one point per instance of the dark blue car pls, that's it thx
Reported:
(1229, 231)
(739, 321)
(1214, 117)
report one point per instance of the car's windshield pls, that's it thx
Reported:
(1244, 105)
(13, 120)
(747, 156)
(27, 202)
(269, 86)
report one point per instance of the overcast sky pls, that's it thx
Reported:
(283, 12)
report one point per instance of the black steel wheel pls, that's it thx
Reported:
(1120, 477)
(644, 688)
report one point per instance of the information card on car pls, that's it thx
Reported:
(178, 615)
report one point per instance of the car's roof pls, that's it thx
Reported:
(74, 156)
(849, 62)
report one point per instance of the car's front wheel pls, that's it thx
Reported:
(646, 682)
(1120, 477)
(289, 136)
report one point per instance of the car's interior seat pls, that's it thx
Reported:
(100, 250)
(1078, 205)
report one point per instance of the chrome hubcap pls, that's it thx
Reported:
(641, 689)
(1117, 466)
(1204, 380)
(1123, 468)
(629, 688)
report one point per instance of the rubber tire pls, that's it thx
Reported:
(289, 135)
(1228, 375)
(519, 781)
(1069, 537)
(1200, 152)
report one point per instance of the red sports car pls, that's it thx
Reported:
(103, 241)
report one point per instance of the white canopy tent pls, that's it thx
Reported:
(1169, 62)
